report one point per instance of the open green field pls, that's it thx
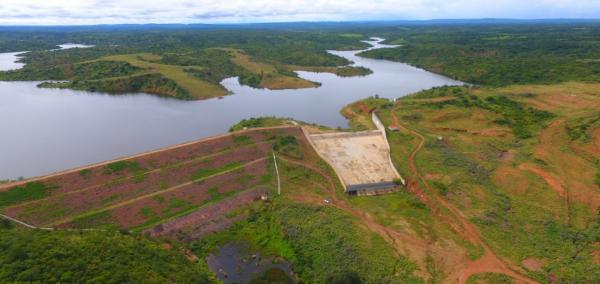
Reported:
(520, 162)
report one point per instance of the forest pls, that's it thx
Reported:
(94, 256)
(499, 55)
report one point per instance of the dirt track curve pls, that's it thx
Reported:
(489, 262)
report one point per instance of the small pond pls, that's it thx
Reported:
(236, 263)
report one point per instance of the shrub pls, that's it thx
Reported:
(30, 191)
(441, 187)
(120, 166)
(288, 145)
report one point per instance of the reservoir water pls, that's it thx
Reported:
(48, 130)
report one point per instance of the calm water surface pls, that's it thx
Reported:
(233, 263)
(49, 130)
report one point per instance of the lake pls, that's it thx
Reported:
(50, 130)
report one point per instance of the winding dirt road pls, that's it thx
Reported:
(489, 262)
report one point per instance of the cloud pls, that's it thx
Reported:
(234, 11)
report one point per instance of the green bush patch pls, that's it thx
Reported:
(121, 166)
(203, 173)
(30, 191)
(288, 145)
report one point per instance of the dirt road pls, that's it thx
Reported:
(489, 262)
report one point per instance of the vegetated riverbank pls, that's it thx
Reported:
(141, 123)
(499, 55)
(186, 71)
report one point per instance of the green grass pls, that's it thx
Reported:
(203, 173)
(160, 199)
(34, 256)
(485, 278)
(351, 71)
(147, 212)
(29, 191)
(85, 172)
(288, 145)
(390, 208)
(320, 242)
(102, 219)
(271, 276)
(175, 203)
(525, 121)
(195, 87)
(255, 122)
(578, 129)
(352, 35)
(242, 140)
(214, 193)
(121, 166)
(140, 177)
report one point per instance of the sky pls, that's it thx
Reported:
(87, 12)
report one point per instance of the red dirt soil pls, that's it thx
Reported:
(129, 213)
(206, 220)
(532, 264)
(78, 202)
(363, 107)
(72, 179)
(549, 178)
(489, 262)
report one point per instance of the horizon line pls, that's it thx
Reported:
(307, 21)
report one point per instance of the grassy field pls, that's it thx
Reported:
(520, 162)
(198, 89)
(359, 113)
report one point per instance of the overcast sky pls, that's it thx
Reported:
(64, 12)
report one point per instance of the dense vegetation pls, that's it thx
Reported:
(323, 244)
(500, 54)
(350, 71)
(27, 192)
(165, 62)
(94, 256)
(148, 83)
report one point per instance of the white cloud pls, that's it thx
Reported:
(227, 11)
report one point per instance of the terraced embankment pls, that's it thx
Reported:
(146, 190)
